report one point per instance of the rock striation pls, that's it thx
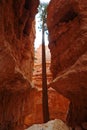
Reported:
(58, 104)
(67, 25)
(37, 72)
(17, 33)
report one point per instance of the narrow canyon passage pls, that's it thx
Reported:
(20, 78)
(58, 105)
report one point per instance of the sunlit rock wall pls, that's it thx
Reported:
(67, 25)
(37, 72)
(17, 35)
(58, 105)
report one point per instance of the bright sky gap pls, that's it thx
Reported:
(38, 39)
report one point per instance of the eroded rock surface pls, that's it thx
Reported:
(17, 33)
(58, 104)
(37, 72)
(67, 25)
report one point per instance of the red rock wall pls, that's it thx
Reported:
(57, 108)
(37, 72)
(17, 35)
(67, 25)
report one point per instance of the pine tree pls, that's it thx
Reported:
(42, 16)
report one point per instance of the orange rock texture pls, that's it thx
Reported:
(67, 25)
(58, 105)
(37, 72)
(17, 35)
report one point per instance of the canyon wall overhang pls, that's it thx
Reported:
(67, 25)
(17, 34)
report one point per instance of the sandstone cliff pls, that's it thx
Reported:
(67, 25)
(58, 104)
(17, 35)
(37, 72)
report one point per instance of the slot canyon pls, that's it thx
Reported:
(20, 72)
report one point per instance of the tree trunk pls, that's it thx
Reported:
(44, 81)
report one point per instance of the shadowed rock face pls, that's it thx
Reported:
(17, 35)
(67, 25)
